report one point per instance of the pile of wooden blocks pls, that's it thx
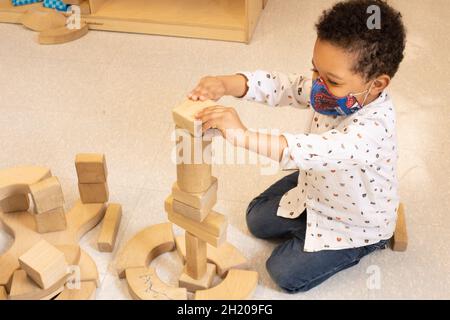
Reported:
(193, 197)
(48, 201)
(42, 275)
(92, 175)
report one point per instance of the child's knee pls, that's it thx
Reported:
(256, 223)
(286, 278)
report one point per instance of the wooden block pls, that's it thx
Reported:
(194, 170)
(144, 284)
(47, 195)
(24, 288)
(147, 244)
(183, 115)
(93, 192)
(225, 257)
(45, 264)
(72, 253)
(77, 2)
(212, 229)
(16, 203)
(51, 221)
(40, 20)
(238, 285)
(193, 285)
(91, 168)
(85, 292)
(62, 35)
(400, 238)
(3, 294)
(88, 269)
(201, 200)
(85, 8)
(111, 222)
(17, 180)
(195, 257)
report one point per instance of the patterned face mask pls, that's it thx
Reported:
(324, 102)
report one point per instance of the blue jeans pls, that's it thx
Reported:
(293, 269)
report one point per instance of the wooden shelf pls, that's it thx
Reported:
(231, 20)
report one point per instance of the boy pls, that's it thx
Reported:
(342, 203)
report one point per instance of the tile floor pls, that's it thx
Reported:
(113, 92)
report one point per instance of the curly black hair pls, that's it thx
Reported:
(378, 50)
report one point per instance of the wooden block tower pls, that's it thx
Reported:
(193, 197)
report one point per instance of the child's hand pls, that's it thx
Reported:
(208, 88)
(226, 120)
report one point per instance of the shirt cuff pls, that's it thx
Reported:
(250, 93)
(287, 160)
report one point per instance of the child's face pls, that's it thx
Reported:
(334, 66)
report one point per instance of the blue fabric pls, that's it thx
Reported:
(56, 4)
(23, 2)
(322, 101)
(289, 266)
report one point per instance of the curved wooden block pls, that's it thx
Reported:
(72, 253)
(62, 35)
(144, 247)
(23, 288)
(238, 285)
(40, 20)
(86, 292)
(225, 257)
(144, 284)
(88, 268)
(15, 181)
(19, 202)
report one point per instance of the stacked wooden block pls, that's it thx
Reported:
(92, 177)
(48, 201)
(42, 275)
(193, 197)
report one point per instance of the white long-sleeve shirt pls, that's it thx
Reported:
(348, 178)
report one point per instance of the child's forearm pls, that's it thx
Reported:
(235, 85)
(268, 145)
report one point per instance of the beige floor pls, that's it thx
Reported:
(113, 92)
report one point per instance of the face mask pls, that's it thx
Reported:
(324, 102)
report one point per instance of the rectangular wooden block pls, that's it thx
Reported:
(111, 222)
(93, 192)
(184, 115)
(195, 256)
(51, 221)
(211, 230)
(203, 283)
(47, 195)
(91, 168)
(45, 264)
(17, 203)
(192, 213)
(400, 239)
(200, 200)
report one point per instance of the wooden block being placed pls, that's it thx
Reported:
(111, 222)
(195, 257)
(3, 294)
(62, 35)
(47, 195)
(144, 284)
(91, 168)
(212, 229)
(201, 200)
(184, 115)
(93, 192)
(51, 221)
(24, 288)
(17, 203)
(400, 238)
(204, 282)
(238, 285)
(45, 264)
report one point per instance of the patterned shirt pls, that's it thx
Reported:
(348, 176)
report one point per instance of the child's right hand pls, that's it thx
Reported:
(212, 88)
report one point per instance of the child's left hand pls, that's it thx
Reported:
(224, 119)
